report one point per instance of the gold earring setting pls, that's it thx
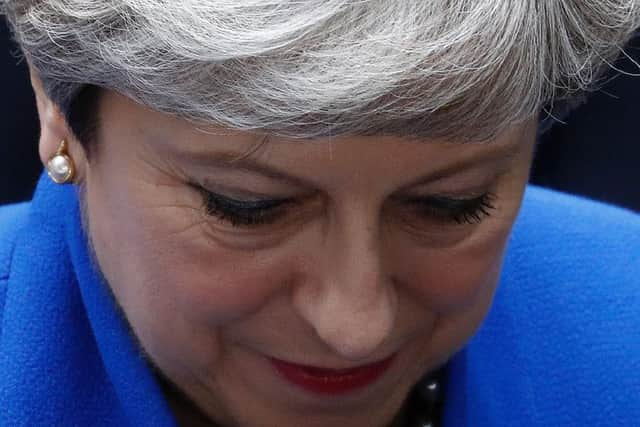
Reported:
(60, 166)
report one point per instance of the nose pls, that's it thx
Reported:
(348, 300)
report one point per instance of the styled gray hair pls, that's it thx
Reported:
(426, 68)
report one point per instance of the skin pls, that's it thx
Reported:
(348, 276)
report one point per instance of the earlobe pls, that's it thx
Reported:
(58, 148)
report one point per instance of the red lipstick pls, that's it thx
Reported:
(331, 381)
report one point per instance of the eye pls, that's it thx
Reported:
(458, 210)
(243, 213)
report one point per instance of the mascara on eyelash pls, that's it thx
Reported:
(476, 210)
(258, 212)
(470, 211)
(240, 212)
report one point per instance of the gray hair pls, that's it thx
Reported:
(427, 68)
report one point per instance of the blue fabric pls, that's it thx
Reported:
(560, 346)
(66, 356)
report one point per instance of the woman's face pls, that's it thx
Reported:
(227, 254)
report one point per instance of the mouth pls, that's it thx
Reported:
(331, 381)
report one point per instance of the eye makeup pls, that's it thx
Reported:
(256, 212)
(243, 213)
(459, 210)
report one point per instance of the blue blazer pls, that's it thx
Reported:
(560, 346)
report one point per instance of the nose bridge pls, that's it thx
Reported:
(354, 267)
(350, 302)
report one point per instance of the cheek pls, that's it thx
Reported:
(454, 280)
(217, 285)
(169, 263)
(456, 285)
(179, 290)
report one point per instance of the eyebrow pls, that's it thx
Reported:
(241, 162)
(503, 157)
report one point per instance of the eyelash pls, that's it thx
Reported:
(460, 211)
(240, 213)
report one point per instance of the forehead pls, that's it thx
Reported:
(210, 146)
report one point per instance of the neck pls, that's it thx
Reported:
(186, 413)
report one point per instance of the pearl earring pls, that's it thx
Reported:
(60, 166)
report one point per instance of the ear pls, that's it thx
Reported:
(54, 129)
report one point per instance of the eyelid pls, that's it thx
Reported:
(233, 195)
(255, 204)
(443, 198)
(242, 214)
(445, 201)
(461, 210)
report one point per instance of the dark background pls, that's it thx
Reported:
(596, 153)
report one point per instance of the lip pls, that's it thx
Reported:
(331, 381)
